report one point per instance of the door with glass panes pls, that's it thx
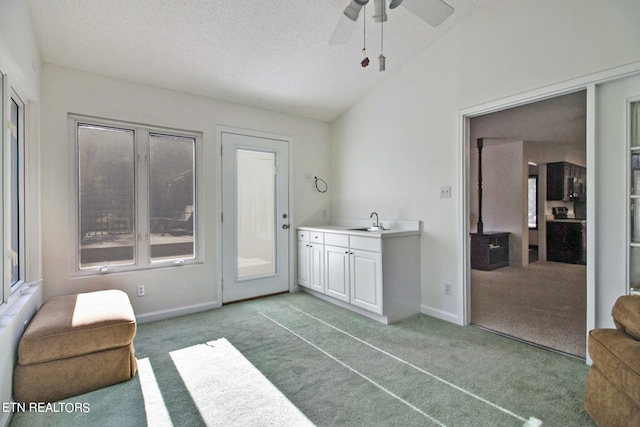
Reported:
(255, 218)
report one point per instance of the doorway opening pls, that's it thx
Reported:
(529, 166)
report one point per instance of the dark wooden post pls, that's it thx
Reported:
(480, 225)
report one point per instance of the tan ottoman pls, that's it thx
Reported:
(75, 344)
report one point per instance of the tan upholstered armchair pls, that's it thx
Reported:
(612, 392)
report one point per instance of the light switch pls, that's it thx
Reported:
(445, 192)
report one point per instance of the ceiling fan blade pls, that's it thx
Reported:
(433, 12)
(342, 32)
(347, 22)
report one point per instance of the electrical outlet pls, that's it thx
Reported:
(447, 288)
(445, 192)
(308, 176)
(140, 290)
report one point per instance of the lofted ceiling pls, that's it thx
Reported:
(268, 54)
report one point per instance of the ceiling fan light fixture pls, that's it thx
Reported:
(380, 11)
(352, 11)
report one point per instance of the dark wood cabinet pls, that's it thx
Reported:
(489, 250)
(565, 181)
(566, 242)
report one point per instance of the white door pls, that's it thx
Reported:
(304, 261)
(366, 280)
(337, 272)
(255, 221)
(316, 267)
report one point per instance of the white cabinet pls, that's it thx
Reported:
(303, 263)
(375, 276)
(311, 260)
(366, 280)
(336, 272)
(316, 266)
(353, 275)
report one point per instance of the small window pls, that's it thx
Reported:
(106, 200)
(16, 192)
(171, 192)
(533, 202)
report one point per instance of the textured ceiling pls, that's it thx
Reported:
(270, 54)
(559, 120)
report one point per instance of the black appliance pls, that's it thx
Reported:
(560, 212)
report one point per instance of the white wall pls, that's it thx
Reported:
(393, 150)
(168, 290)
(20, 62)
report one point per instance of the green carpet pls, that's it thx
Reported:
(339, 369)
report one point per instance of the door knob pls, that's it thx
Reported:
(285, 226)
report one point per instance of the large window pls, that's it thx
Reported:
(136, 196)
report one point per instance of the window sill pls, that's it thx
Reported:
(21, 306)
(158, 265)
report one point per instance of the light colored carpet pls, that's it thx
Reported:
(228, 390)
(338, 368)
(543, 303)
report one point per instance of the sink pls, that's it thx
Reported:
(367, 229)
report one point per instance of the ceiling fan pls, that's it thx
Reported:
(433, 12)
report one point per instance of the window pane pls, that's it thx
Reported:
(171, 188)
(255, 213)
(634, 268)
(106, 183)
(533, 202)
(15, 194)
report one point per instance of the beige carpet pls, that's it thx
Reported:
(543, 303)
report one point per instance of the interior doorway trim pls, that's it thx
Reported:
(587, 83)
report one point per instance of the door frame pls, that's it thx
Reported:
(220, 129)
(587, 83)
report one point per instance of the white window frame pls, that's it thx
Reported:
(9, 94)
(141, 226)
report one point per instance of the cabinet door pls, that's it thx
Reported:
(556, 181)
(366, 280)
(565, 242)
(303, 264)
(316, 264)
(337, 272)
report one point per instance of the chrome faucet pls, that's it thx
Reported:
(377, 221)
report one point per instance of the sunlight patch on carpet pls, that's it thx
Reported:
(155, 408)
(228, 390)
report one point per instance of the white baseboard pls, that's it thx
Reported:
(440, 314)
(374, 316)
(175, 312)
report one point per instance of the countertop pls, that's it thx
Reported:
(569, 220)
(396, 228)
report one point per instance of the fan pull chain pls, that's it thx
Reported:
(365, 61)
(381, 58)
